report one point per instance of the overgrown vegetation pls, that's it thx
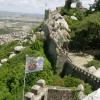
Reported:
(80, 14)
(86, 33)
(95, 63)
(6, 49)
(71, 82)
(12, 73)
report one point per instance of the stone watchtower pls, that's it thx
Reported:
(47, 14)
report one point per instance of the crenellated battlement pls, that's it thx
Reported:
(86, 76)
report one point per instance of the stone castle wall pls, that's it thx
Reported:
(42, 92)
(58, 93)
(87, 77)
(72, 69)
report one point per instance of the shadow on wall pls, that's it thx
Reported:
(50, 52)
(67, 69)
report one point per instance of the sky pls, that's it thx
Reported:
(33, 6)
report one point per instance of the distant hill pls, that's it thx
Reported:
(19, 15)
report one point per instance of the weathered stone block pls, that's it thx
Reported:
(29, 96)
(36, 89)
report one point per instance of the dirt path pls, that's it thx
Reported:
(80, 59)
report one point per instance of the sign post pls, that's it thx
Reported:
(33, 64)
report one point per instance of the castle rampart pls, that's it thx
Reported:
(71, 69)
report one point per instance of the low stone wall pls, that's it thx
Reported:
(42, 92)
(58, 93)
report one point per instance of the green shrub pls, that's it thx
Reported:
(86, 33)
(76, 12)
(37, 45)
(72, 82)
(88, 88)
(95, 63)
(57, 81)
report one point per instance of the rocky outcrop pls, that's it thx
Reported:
(12, 55)
(80, 90)
(4, 60)
(93, 96)
(19, 48)
(57, 29)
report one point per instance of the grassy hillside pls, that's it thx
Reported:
(12, 72)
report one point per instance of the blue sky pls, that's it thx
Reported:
(33, 6)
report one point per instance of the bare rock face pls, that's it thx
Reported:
(58, 29)
(93, 96)
(12, 55)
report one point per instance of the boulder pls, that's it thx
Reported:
(4, 60)
(19, 48)
(74, 18)
(93, 96)
(12, 55)
(80, 87)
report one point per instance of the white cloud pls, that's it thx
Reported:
(33, 6)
